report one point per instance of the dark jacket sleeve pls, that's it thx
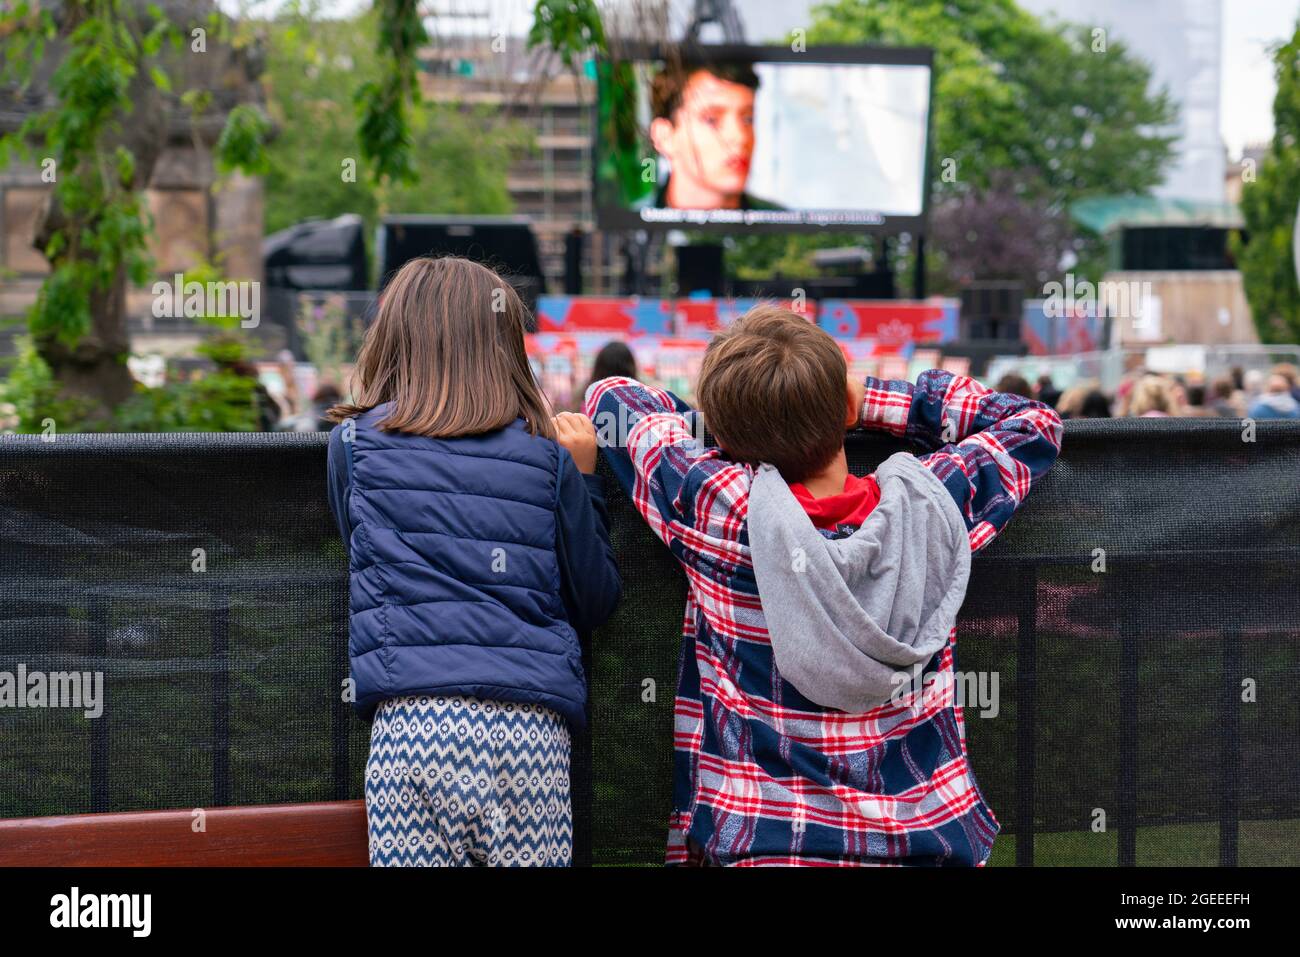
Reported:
(337, 484)
(589, 580)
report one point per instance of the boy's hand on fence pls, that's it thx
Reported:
(575, 432)
(857, 390)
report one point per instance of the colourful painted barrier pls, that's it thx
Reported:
(1079, 330)
(669, 336)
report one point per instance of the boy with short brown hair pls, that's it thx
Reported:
(796, 421)
(817, 598)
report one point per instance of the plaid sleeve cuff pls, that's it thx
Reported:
(886, 404)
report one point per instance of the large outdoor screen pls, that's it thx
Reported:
(734, 138)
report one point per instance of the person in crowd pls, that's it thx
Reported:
(1047, 393)
(1070, 403)
(1288, 371)
(1242, 396)
(268, 410)
(1178, 390)
(1153, 397)
(820, 603)
(614, 358)
(1225, 399)
(479, 558)
(1196, 399)
(327, 396)
(1276, 402)
(1015, 384)
(1252, 385)
(1074, 401)
(292, 398)
(316, 418)
(1095, 405)
(1124, 392)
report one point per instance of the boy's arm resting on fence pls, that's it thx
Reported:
(589, 579)
(988, 448)
(337, 484)
(655, 448)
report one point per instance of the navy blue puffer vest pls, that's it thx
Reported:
(455, 581)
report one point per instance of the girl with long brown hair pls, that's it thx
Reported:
(479, 562)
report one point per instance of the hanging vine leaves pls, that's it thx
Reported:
(382, 104)
(242, 144)
(571, 28)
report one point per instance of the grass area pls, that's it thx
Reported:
(1259, 844)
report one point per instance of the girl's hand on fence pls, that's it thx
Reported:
(575, 432)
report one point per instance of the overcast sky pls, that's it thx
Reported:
(1249, 27)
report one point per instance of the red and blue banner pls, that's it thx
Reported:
(1079, 330)
(895, 326)
(669, 336)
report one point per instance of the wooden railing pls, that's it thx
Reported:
(328, 834)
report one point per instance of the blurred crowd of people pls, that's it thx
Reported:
(287, 408)
(1240, 394)
(287, 411)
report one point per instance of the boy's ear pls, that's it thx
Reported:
(854, 396)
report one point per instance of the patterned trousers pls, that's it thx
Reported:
(457, 781)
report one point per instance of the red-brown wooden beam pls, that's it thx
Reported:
(328, 834)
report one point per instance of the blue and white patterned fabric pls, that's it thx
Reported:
(456, 781)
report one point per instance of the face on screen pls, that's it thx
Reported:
(709, 142)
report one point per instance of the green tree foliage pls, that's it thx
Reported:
(110, 73)
(1070, 111)
(570, 28)
(1266, 251)
(316, 164)
(242, 144)
(1012, 92)
(221, 400)
(382, 102)
(101, 232)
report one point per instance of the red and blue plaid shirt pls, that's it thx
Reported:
(762, 775)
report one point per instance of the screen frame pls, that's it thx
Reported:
(620, 219)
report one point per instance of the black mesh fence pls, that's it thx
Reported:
(1129, 650)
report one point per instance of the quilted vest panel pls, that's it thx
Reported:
(455, 580)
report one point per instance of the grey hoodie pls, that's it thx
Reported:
(851, 620)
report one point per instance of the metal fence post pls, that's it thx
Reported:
(1026, 714)
(220, 699)
(339, 707)
(1126, 789)
(1230, 753)
(99, 737)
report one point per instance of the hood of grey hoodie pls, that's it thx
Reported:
(852, 619)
